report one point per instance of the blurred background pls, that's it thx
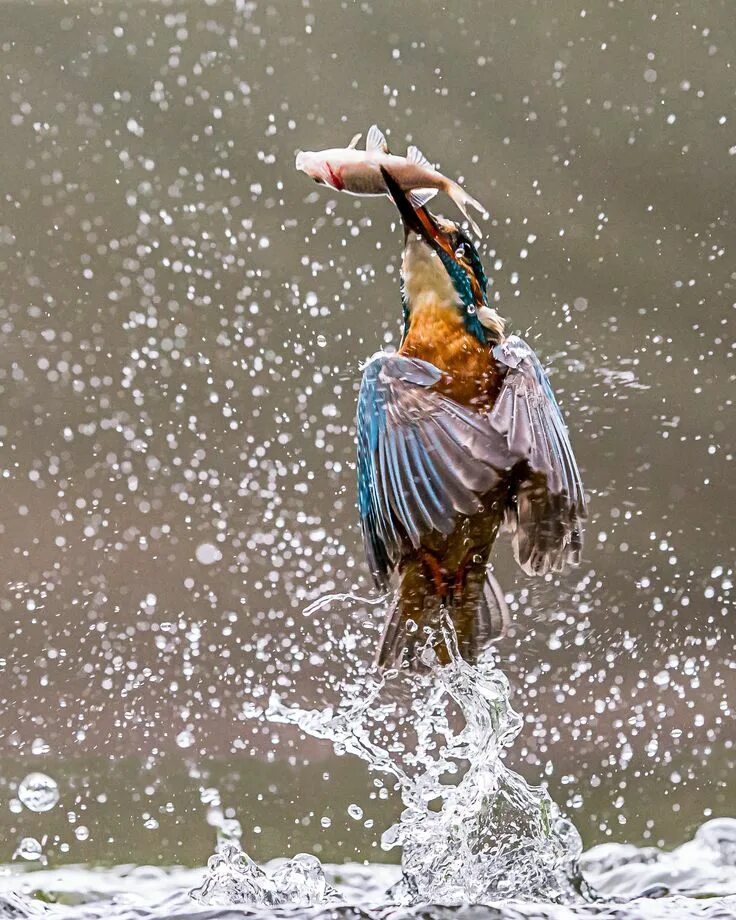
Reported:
(183, 318)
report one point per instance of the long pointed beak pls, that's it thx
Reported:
(418, 220)
(421, 222)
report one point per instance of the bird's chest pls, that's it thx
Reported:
(438, 335)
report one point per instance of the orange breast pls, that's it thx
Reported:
(437, 334)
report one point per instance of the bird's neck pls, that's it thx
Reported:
(430, 295)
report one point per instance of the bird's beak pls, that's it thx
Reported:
(421, 222)
(418, 220)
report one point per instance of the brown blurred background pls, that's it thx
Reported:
(183, 318)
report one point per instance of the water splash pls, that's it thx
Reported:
(233, 878)
(471, 828)
(493, 834)
(697, 879)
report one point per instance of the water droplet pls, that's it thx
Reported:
(321, 340)
(210, 796)
(355, 811)
(29, 848)
(81, 832)
(185, 739)
(38, 792)
(207, 553)
(325, 822)
(460, 251)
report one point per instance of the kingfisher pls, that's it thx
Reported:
(459, 434)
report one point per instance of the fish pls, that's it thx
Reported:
(358, 172)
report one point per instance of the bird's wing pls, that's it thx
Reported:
(422, 458)
(548, 507)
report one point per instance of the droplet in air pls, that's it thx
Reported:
(38, 792)
(29, 848)
(207, 553)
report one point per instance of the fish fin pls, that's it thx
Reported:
(414, 155)
(462, 199)
(375, 141)
(354, 142)
(420, 196)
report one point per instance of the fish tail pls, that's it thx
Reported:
(473, 599)
(463, 199)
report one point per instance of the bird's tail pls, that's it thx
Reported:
(463, 199)
(477, 609)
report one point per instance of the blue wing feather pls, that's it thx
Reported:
(549, 506)
(424, 459)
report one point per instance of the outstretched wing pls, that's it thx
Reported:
(549, 504)
(422, 458)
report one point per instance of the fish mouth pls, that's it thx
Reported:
(419, 220)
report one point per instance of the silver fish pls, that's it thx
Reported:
(358, 172)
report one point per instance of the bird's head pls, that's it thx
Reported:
(440, 261)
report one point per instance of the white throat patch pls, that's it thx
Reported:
(425, 277)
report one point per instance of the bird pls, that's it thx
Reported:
(459, 435)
